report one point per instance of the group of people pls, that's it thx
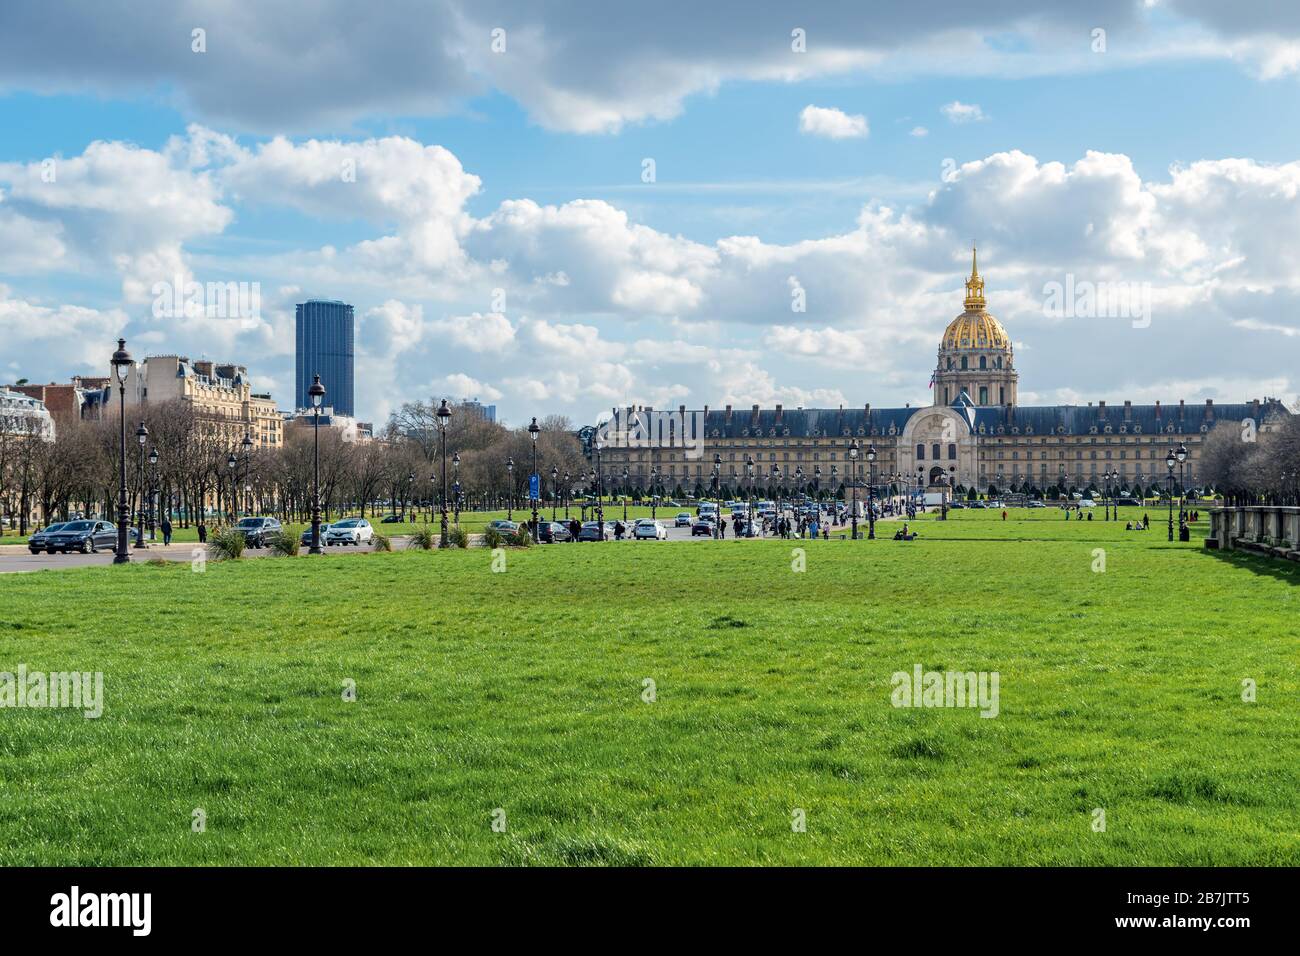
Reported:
(1142, 525)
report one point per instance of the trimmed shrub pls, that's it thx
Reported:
(285, 545)
(457, 538)
(492, 538)
(381, 542)
(521, 537)
(423, 539)
(226, 544)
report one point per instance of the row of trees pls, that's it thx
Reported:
(1254, 467)
(77, 472)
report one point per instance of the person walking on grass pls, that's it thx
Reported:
(203, 532)
(167, 530)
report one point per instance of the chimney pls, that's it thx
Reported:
(1255, 414)
(726, 418)
(1181, 409)
(780, 414)
(753, 417)
(1157, 408)
(1101, 410)
(1128, 410)
(1209, 409)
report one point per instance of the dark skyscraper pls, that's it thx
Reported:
(323, 331)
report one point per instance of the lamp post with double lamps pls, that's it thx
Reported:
(654, 495)
(533, 431)
(247, 445)
(141, 436)
(625, 476)
(316, 392)
(153, 490)
(444, 419)
(510, 481)
(717, 496)
(1181, 455)
(1170, 461)
(853, 482)
(871, 492)
(121, 362)
(555, 492)
(749, 511)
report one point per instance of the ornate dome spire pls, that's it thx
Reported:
(974, 287)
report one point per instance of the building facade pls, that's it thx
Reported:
(324, 337)
(68, 399)
(23, 416)
(221, 394)
(973, 435)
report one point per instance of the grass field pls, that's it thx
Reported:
(1120, 690)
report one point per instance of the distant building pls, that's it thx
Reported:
(65, 400)
(350, 430)
(220, 392)
(24, 416)
(323, 333)
(475, 409)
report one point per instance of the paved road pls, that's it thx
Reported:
(15, 558)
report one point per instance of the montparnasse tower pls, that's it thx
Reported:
(975, 354)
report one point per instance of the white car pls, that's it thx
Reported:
(1087, 503)
(350, 531)
(683, 520)
(649, 528)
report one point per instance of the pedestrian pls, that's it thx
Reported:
(203, 532)
(166, 530)
(1004, 514)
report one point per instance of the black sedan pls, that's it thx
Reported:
(258, 531)
(36, 541)
(550, 532)
(703, 526)
(84, 536)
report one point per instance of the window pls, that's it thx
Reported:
(983, 362)
(952, 451)
(963, 363)
(934, 451)
(984, 394)
(920, 453)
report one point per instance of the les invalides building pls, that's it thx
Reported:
(974, 435)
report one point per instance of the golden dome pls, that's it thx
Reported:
(975, 328)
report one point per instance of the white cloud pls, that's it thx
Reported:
(959, 112)
(919, 131)
(832, 123)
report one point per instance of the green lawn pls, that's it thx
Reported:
(522, 690)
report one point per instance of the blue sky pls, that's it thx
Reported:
(1167, 161)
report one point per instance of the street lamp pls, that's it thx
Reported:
(717, 496)
(871, 492)
(568, 486)
(749, 512)
(654, 495)
(625, 479)
(153, 489)
(600, 505)
(1114, 492)
(317, 394)
(247, 444)
(232, 463)
(1181, 455)
(510, 499)
(141, 436)
(853, 481)
(1170, 461)
(533, 430)
(444, 418)
(121, 363)
(455, 487)
(555, 491)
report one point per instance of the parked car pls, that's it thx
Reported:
(956, 504)
(1131, 502)
(977, 504)
(502, 525)
(590, 531)
(1035, 503)
(36, 541)
(306, 535)
(83, 536)
(650, 529)
(1087, 503)
(355, 531)
(258, 531)
(683, 520)
(704, 526)
(391, 519)
(552, 532)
